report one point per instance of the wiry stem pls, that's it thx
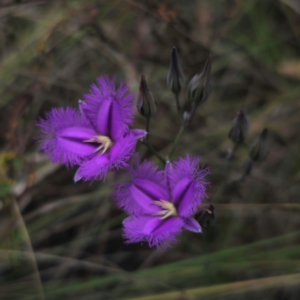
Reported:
(228, 164)
(150, 147)
(232, 152)
(177, 139)
(154, 152)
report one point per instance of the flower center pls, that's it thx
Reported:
(168, 209)
(104, 141)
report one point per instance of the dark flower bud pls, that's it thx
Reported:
(239, 128)
(175, 78)
(186, 118)
(258, 151)
(247, 168)
(205, 215)
(145, 102)
(199, 87)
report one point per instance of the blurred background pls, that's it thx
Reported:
(60, 240)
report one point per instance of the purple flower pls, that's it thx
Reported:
(161, 203)
(97, 136)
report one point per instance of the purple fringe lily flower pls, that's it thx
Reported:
(161, 203)
(97, 136)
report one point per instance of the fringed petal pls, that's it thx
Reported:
(108, 107)
(63, 134)
(183, 196)
(141, 194)
(144, 183)
(115, 158)
(188, 185)
(94, 168)
(156, 232)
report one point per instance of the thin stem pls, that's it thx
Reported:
(232, 152)
(191, 115)
(154, 152)
(228, 165)
(177, 139)
(26, 237)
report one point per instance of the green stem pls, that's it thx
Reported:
(177, 139)
(154, 152)
(232, 152)
(146, 143)
(31, 255)
(228, 166)
(187, 122)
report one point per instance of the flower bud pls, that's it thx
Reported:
(239, 128)
(258, 151)
(199, 87)
(175, 78)
(205, 215)
(145, 102)
(186, 118)
(247, 168)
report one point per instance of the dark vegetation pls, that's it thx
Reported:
(51, 51)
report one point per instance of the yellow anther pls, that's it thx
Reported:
(104, 141)
(168, 209)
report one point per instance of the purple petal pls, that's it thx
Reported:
(144, 192)
(144, 183)
(158, 233)
(108, 107)
(77, 176)
(94, 168)
(109, 121)
(123, 150)
(188, 185)
(82, 108)
(63, 132)
(139, 133)
(115, 158)
(192, 225)
(183, 194)
(72, 139)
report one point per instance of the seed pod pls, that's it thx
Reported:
(175, 78)
(239, 128)
(258, 151)
(145, 102)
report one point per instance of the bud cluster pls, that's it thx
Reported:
(238, 133)
(239, 128)
(198, 89)
(175, 78)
